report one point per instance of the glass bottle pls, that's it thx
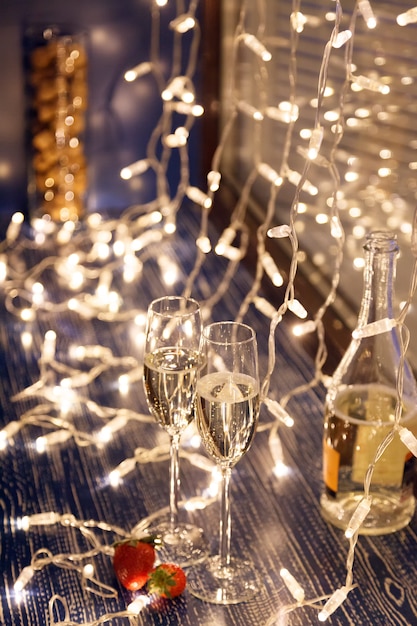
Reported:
(361, 410)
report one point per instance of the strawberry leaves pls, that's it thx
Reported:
(167, 580)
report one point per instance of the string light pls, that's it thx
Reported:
(298, 21)
(14, 228)
(272, 270)
(374, 328)
(139, 167)
(24, 578)
(250, 110)
(409, 17)
(286, 112)
(265, 307)
(183, 23)
(408, 440)
(256, 46)
(365, 8)
(279, 232)
(364, 82)
(300, 330)
(213, 180)
(139, 235)
(292, 585)
(279, 412)
(297, 308)
(269, 174)
(137, 605)
(358, 516)
(333, 603)
(342, 38)
(139, 70)
(199, 197)
(315, 142)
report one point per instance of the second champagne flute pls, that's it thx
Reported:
(171, 363)
(227, 416)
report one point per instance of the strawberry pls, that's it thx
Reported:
(133, 560)
(167, 580)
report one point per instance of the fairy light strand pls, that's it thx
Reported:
(178, 94)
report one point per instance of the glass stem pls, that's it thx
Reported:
(225, 519)
(174, 481)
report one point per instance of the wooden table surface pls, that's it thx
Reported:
(276, 520)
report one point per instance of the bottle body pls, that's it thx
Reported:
(355, 425)
(362, 451)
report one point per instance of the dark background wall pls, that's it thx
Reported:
(121, 115)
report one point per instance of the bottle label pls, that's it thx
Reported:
(409, 476)
(359, 439)
(331, 462)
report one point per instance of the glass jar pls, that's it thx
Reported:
(56, 68)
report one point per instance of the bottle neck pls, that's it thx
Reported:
(381, 252)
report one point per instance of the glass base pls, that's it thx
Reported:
(238, 582)
(387, 514)
(185, 546)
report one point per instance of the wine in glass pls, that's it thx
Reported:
(171, 363)
(227, 416)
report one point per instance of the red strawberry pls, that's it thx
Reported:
(167, 580)
(133, 560)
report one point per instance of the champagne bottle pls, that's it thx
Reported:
(363, 455)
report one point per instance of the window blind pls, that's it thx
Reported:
(376, 158)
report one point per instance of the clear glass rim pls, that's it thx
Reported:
(239, 326)
(190, 306)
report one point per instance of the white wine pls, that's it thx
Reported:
(227, 414)
(170, 377)
(362, 417)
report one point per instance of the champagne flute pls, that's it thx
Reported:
(227, 415)
(171, 363)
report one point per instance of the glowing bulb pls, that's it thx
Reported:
(333, 603)
(315, 142)
(264, 307)
(408, 440)
(213, 179)
(136, 168)
(299, 330)
(292, 585)
(3, 268)
(358, 517)
(137, 605)
(342, 38)
(24, 578)
(297, 308)
(199, 197)
(257, 47)
(204, 244)
(367, 13)
(271, 269)
(270, 174)
(138, 70)
(408, 17)
(250, 110)
(13, 230)
(183, 23)
(298, 21)
(279, 232)
(88, 570)
(364, 82)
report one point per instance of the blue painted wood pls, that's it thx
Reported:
(276, 521)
